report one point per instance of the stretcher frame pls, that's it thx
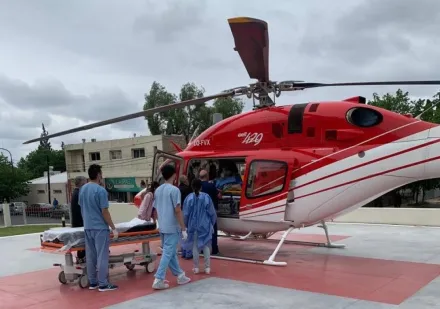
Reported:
(70, 272)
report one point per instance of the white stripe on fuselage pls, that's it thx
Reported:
(350, 175)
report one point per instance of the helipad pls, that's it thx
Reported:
(381, 267)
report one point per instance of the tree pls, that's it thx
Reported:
(44, 143)
(13, 181)
(36, 162)
(400, 102)
(186, 121)
(158, 96)
(228, 107)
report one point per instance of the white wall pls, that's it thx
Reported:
(122, 212)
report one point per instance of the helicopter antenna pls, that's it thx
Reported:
(419, 116)
(195, 134)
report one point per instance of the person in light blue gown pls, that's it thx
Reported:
(199, 216)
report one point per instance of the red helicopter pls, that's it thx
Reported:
(297, 165)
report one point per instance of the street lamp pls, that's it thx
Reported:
(10, 155)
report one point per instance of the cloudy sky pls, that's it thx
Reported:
(68, 63)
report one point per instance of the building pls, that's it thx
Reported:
(38, 189)
(126, 163)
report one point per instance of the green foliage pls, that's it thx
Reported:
(38, 160)
(13, 181)
(185, 121)
(44, 144)
(400, 102)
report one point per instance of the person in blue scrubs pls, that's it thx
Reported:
(93, 200)
(200, 216)
(167, 202)
(209, 188)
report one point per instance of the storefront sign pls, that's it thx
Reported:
(123, 184)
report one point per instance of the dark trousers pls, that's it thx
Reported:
(82, 253)
(214, 240)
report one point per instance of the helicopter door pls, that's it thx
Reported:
(265, 180)
(162, 158)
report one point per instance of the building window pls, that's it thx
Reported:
(95, 156)
(265, 177)
(57, 191)
(138, 153)
(115, 154)
(41, 191)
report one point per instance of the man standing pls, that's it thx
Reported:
(209, 188)
(55, 203)
(77, 220)
(167, 202)
(184, 188)
(93, 199)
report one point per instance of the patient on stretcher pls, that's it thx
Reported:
(74, 237)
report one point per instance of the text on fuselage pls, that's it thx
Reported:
(201, 142)
(251, 138)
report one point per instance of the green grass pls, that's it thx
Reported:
(25, 229)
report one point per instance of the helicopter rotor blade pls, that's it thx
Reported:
(147, 112)
(252, 44)
(316, 85)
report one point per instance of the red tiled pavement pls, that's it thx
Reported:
(359, 278)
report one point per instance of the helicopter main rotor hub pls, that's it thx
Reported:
(260, 91)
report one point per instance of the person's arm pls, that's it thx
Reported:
(103, 203)
(186, 210)
(176, 199)
(144, 206)
(155, 214)
(211, 211)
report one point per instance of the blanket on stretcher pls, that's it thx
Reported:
(74, 236)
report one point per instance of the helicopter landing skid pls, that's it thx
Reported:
(271, 261)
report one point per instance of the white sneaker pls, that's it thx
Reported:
(207, 271)
(159, 284)
(183, 279)
(195, 270)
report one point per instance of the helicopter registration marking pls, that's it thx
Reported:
(251, 138)
(201, 142)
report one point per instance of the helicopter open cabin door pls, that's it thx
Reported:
(162, 158)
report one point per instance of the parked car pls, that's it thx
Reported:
(39, 209)
(16, 208)
(61, 210)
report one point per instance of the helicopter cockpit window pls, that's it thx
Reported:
(265, 177)
(364, 117)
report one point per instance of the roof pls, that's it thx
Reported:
(57, 178)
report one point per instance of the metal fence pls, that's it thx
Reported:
(22, 214)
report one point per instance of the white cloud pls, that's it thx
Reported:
(69, 63)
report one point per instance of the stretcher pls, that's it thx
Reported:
(52, 240)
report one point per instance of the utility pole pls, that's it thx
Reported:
(48, 180)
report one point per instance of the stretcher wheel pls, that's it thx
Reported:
(83, 281)
(150, 267)
(130, 266)
(62, 277)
